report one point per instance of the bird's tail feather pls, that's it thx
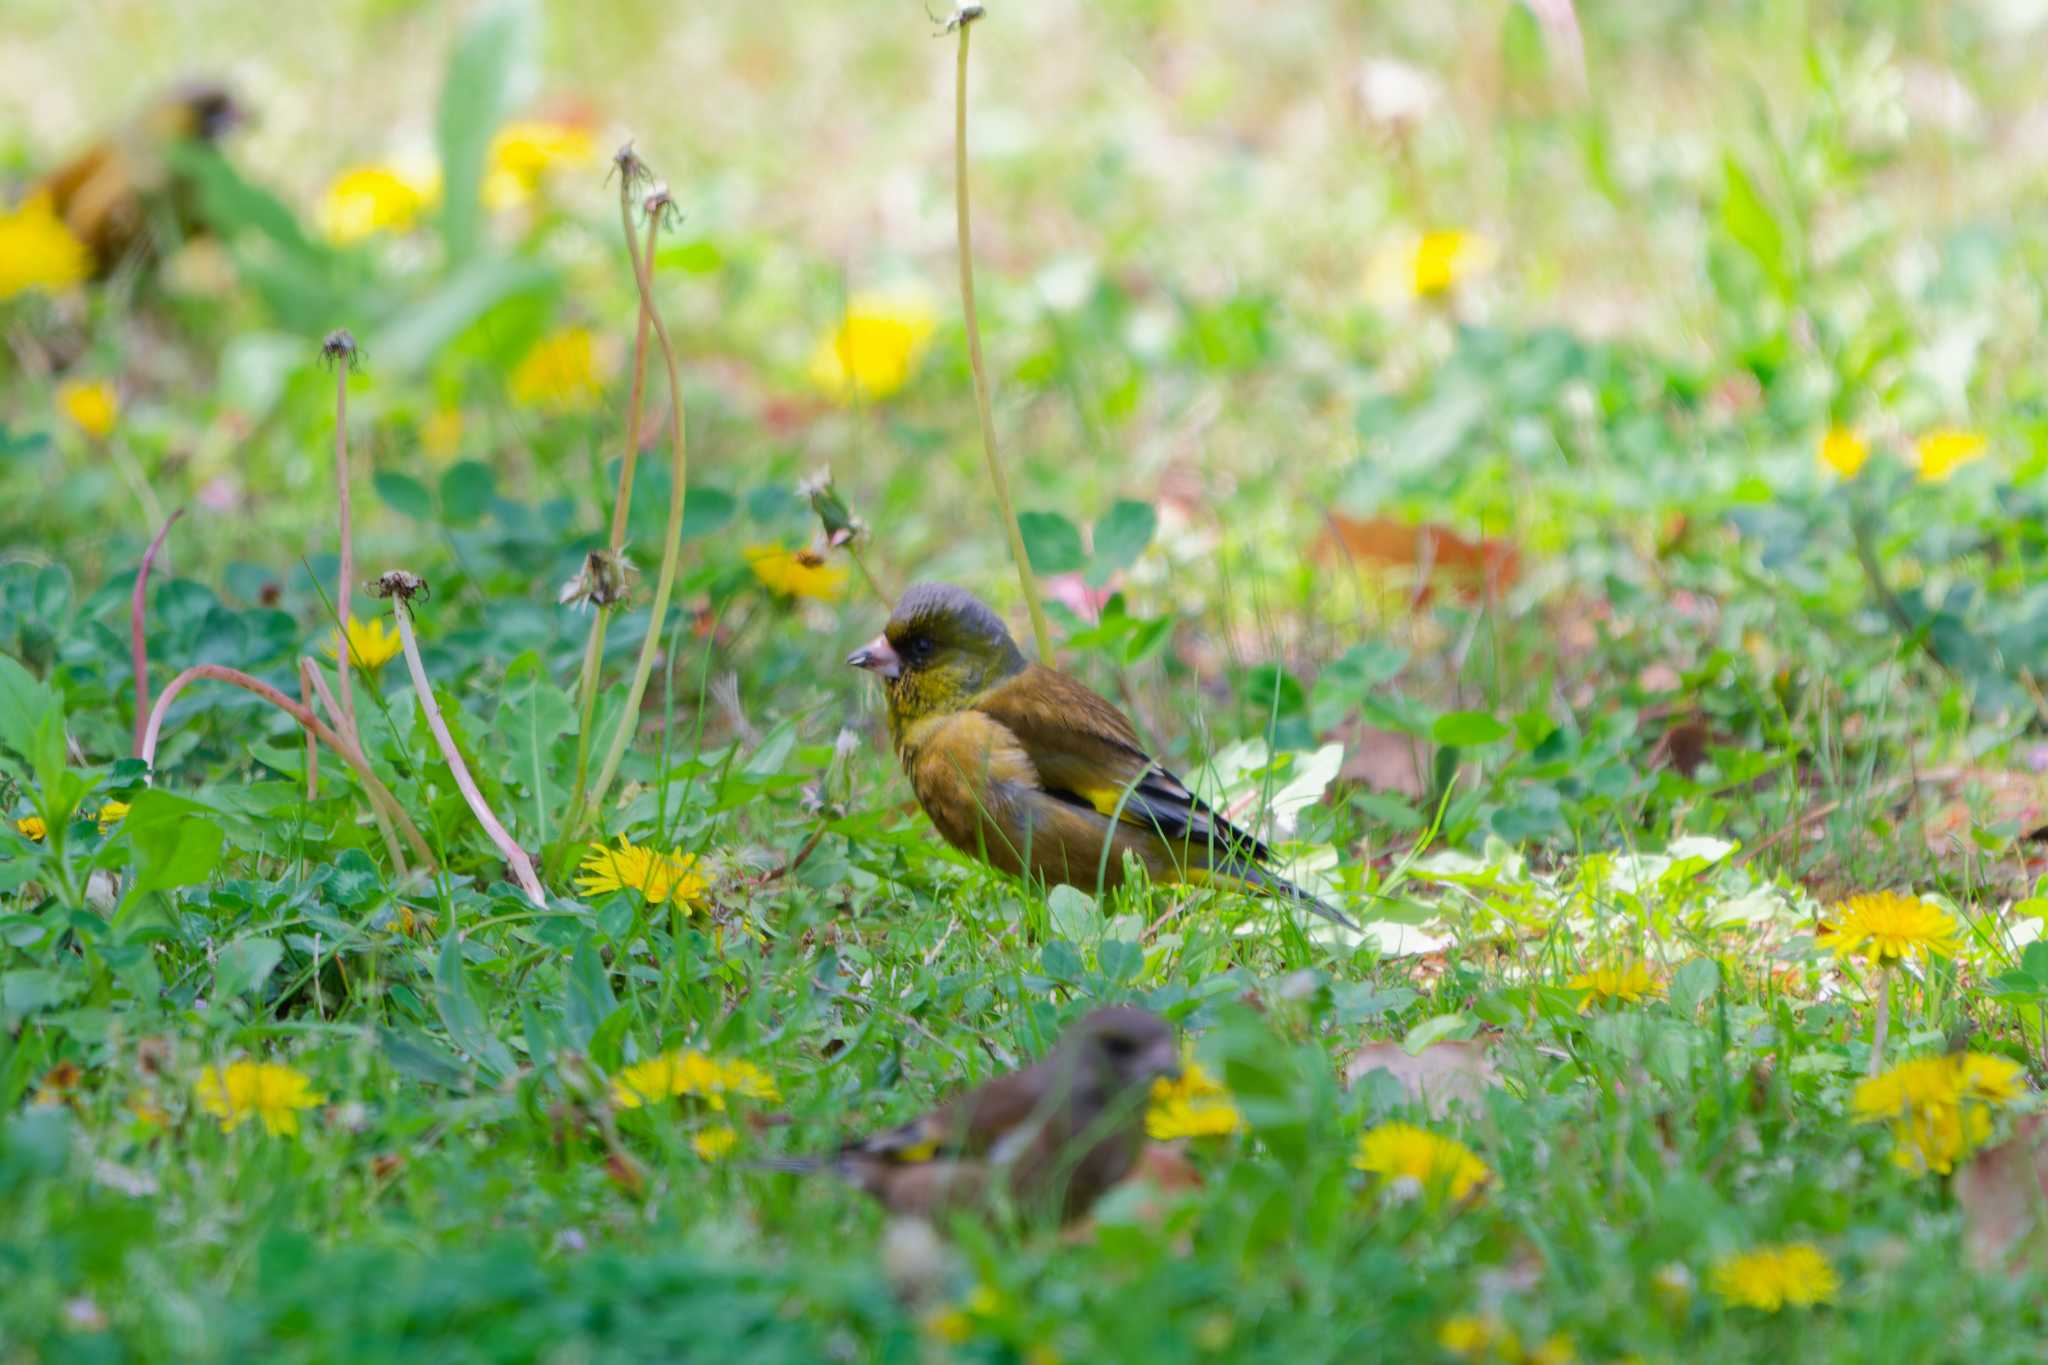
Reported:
(1260, 879)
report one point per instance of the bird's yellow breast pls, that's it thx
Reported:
(968, 772)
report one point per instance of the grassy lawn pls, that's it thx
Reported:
(1572, 485)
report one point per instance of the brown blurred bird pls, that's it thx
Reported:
(123, 196)
(1026, 769)
(1051, 1137)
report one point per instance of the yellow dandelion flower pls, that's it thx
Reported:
(716, 1142)
(1556, 1349)
(387, 197)
(269, 1091)
(1988, 1078)
(796, 573)
(1945, 451)
(687, 1071)
(1624, 985)
(146, 1111)
(559, 373)
(58, 1083)
(1443, 260)
(525, 153)
(1938, 1108)
(92, 406)
(111, 814)
(1415, 1160)
(1196, 1105)
(441, 433)
(370, 645)
(661, 878)
(875, 348)
(37, 251)
(1844, 450)
(1884, 925)
(32, 827)
(1770, 1277)
(949, 1326)
(1467, 1336)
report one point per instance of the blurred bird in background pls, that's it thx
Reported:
(1051, 1137)
(125, 196)
(1028, 770)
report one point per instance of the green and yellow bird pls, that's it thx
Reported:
(1031, 772)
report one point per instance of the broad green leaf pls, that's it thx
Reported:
(532, 714)
(1436, 1029)
(244, 966)
(177, 842)
(1074, 914)
(35, 989)
(462, 1016)
(706, 510)
(403, 493)
(25, 702)
(1749, 222)
(466, 492)
(407, 341)
(1120, 537)
(475, 96)
(421, 1057)
(1051, 542)
(1465, 729)
(1692, 983)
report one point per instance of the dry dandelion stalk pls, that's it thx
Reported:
(962, 22)
(379, 794)
(340, 350)
(657, 207)
(138, 638)
(401, 588)
(606, 578)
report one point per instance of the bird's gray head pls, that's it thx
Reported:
(1122, 1047)
(942, 645)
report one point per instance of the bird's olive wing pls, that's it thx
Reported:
(1086, 752)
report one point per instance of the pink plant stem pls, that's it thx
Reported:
(353, 756)
(138, 638)
(306, 676)
(515, 856)
(309, 672)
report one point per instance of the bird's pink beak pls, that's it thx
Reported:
(878, 656)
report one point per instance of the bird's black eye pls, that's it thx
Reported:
(1120, 1045)
(918, 649)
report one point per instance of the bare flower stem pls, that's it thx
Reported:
(515, 856)
(308, 674)
(868, 577)
(1884, 1019)
(352, 755)
(138, 637)
(665, 580)
(1041, 632)
(622, 500)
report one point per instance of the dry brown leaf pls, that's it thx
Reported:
(1435, 554)
(1383, 760)
(1442, 1074)
(2003, 1193)
(1166, 1166)
(2016, 800)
